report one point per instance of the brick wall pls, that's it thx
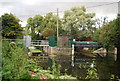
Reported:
(63, 41)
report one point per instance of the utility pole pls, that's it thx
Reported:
(119, 7)
(57, 28)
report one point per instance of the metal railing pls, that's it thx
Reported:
(39, 42)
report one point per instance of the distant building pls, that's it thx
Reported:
(63, 41)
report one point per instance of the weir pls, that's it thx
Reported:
(83, 44)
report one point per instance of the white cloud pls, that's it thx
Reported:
(4, 10)
(23, 23)
(109, 16)
(24, 9)
(30, 2)
(59, 0)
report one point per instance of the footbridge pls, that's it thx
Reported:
(83, 44)
(39, 43)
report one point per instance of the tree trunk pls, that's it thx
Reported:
(118, 54)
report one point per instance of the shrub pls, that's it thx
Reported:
(14, 62)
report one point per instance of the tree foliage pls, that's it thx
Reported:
(108, 35)
(103, 36)
(51, 21)
(115, 34)
(78, 22)
(33, 24)
(47, 32)
(115, 31)
(10, 26)
(101, 21)
(39, 24)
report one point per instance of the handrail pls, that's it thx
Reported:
(39, 43)
(79, 42)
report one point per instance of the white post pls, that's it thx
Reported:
(73, 54)
(72, 61)
(73, 48)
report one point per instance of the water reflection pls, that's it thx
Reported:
(108, 67)
(76, 65)
(72, 63)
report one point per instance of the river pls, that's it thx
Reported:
(77, 65)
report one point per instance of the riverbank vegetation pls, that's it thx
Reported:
(108, 35)
(75, 22)
(14, 61)
(16, 65)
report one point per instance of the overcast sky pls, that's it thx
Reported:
(24, 9)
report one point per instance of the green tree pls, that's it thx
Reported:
(103, 36)
(10, 26)
(51, 22)
(101, 21)
(47, 32)
(78, 22)
(115, 34)
(38, 25)
(108, 35)
(34, 26)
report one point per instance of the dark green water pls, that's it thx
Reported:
(107, 67)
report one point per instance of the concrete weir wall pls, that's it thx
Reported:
(54, 50)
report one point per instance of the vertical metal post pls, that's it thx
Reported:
(73, 48)
(73, 54)
(119, 7)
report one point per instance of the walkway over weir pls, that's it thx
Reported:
(85, 44)
(39, 43)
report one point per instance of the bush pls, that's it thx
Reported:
(14, 62)
(23, 74)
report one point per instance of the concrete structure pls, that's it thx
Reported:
(54, 50)
(103, 50)
(27, 41)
